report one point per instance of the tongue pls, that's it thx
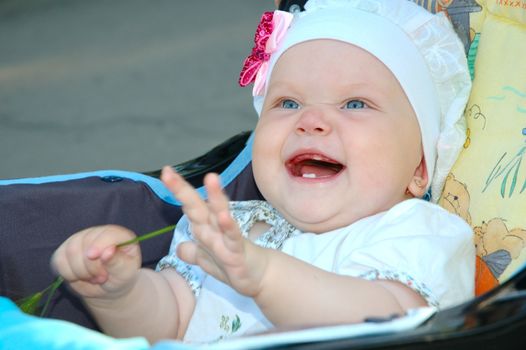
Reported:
(313, 169)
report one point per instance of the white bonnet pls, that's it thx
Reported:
(422, 51)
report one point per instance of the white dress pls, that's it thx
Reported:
(415, 242)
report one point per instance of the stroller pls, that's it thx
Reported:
(36, 215)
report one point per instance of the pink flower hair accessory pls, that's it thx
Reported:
(269, 33)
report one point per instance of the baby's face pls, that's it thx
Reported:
(337, 139)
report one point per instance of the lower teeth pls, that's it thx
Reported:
(309, 176)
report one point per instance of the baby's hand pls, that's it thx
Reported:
(92, 264)
(220, 248)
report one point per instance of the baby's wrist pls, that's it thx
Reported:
(259, 266)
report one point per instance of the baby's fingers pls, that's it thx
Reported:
(188, 251)
(229, 226)
(71, 261)
(196, 255)
(219, 205)
(61, 265)
(194, 207)
(83, 255)
(217, 199)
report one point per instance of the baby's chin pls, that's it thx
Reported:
(315, 221)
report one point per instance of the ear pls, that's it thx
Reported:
(418, 185)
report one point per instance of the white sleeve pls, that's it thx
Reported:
(193, 274)
(422, 246)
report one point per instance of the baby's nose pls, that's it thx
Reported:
(313, 121)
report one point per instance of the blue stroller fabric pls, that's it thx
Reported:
(19, 331)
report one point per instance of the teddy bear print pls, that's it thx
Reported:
(497, 245)
(455, 198)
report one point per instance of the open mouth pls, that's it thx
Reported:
(313, 166)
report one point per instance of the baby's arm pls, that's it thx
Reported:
(124, 299)
(289, 291)
(299, 294)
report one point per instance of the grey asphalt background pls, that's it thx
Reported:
(120, 84)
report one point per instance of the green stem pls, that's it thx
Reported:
(28, 304)
(147, 236)
(52, 289)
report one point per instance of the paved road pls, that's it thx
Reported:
(120, 84)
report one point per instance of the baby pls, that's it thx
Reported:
(360, 106)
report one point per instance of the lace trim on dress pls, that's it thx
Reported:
(247, 213)
(404, 278)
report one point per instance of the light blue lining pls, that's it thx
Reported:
(227, 176)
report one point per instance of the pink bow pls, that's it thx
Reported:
(269, 33)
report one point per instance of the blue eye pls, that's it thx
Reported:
(289, 104)
(355, 104)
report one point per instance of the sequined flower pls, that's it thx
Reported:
(269, 33)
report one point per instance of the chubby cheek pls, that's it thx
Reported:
(376, 158)
(390, 167)
(266, 155)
